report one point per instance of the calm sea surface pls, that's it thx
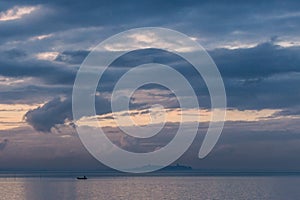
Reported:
(132, 188)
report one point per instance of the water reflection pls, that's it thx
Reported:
(136, 188)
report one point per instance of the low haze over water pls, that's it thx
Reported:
(136, 188)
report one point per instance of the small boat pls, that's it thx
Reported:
(82, 178)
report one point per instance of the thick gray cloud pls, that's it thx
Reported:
(258, 62)
(57, 111)
(52, 113)
(263, 77)
(31, 94)
(49, 72)
(227, 21)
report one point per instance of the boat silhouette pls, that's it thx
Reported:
(82, 178)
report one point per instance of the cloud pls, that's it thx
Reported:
(47, 116)
(292, 111)
(272, 144)
(31, 93)
(51, 73)
(17, 13)
(142, 39)
(262, 77)
(41, 37)
(14, 53)
(72, 57)
(58, 111)
(263, 60)
(244, 22)
(3, 144)
(47, 56)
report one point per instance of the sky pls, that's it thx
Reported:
(255, 45)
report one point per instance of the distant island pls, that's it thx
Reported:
(177, 167)
(170, 168)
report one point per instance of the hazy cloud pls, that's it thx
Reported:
(72, 57)
(3, 144)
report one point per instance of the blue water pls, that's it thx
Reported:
(132, 188)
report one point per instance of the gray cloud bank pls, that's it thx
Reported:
(263, 77)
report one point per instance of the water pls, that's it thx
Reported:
(132, 188)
